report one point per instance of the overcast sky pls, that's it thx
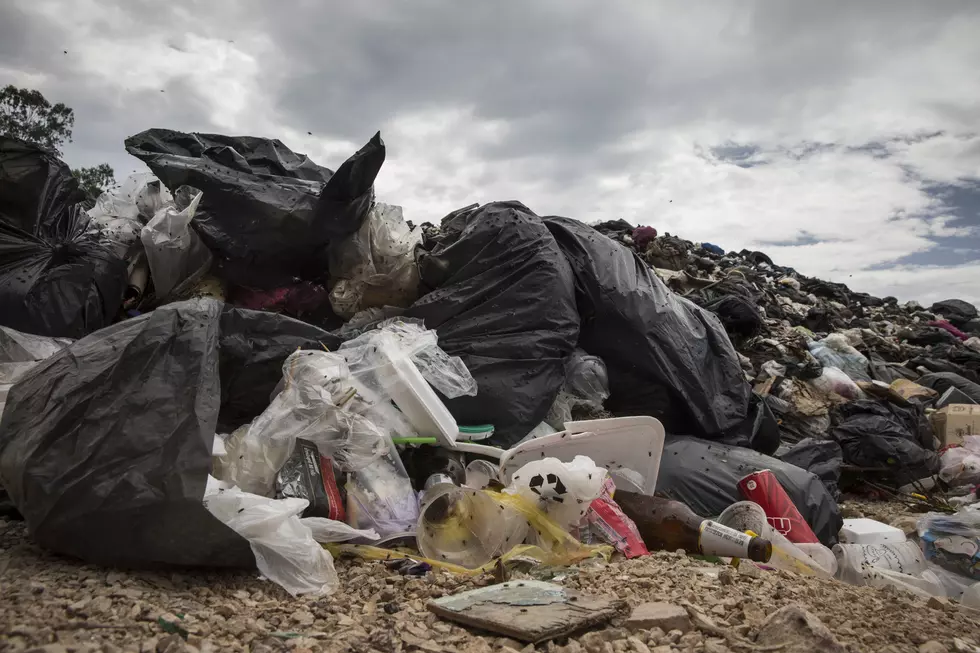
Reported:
(841, 138)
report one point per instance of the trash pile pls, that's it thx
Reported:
(245, 359)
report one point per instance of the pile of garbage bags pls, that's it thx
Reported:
(280, 362)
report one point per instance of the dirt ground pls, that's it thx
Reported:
(54, 604)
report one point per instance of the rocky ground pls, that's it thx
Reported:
(54, 604)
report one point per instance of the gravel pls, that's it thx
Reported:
(54, 604)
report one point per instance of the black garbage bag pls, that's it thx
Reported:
(956, 311)
(502, 299)
(739, 316)
(938, 365)
(821, 457)
(105, 447)
(875, 434)
(56, 278)
(665, 356)
(705, 475)
(266, 210)
(943, 381)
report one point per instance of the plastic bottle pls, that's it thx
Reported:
(671, 525)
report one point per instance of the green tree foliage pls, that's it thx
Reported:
(95, 180)
(27, 115)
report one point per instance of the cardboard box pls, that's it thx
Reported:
(956, 421)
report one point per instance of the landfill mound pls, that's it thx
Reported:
(246, 359)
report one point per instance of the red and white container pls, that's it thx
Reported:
(762, 488)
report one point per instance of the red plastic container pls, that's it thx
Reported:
(763, 488)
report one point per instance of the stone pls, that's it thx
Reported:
(302, 617)
(726, 576)
(933, 646)
(798, 631)
(637, 646)
(937, 602)
(753, 613)
(49, 648)
(665, 616)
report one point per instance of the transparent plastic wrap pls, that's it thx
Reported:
(953, 541)
(284, 547)
(403, 338)
(832, 379)
(319, 402)
(177, 256)
(586, 386)
(961, 465)
(375, 266)
(119, 215)
(380, 496)
(835, 351)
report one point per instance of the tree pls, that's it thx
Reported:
(27, 115)
(95, 180)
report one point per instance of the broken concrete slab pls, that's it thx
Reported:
(665, 616)
(798, 631)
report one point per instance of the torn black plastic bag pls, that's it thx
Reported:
(503, 300)
(267, 212)
(943, 381)
(56, 278)
(705, 475)
(105, 447)
(820, 457)
(875, 434)
(665, 356)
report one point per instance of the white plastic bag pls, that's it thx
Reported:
(562, 490)
(119, 215)
(961, 465)
(375, 266)
(285, 551)
(326, 530)
(176, 254)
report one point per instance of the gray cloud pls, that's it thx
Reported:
(745, 123)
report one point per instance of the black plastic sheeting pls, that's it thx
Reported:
(943, 381)
(704, 475)
(873, 434)
(502, 298)
(56, 279)
(665, 356)
(739, 316)
(267, 211)
(820, 457)
(105, 447)
(957, 311)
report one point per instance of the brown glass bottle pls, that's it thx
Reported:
(670, 525)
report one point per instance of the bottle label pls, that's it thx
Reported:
(719, 540)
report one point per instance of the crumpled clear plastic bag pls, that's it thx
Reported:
(319, 402)
(380, 496)
(119, 215)
(375, 266)
(407, 338)
(284, 547)
(586, 385)
(832, 379)
(563, 491)
(961, 465)
(176, 254)
(836, 351)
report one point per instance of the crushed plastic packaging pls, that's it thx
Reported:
(960, 466)
(177, 257)
(953, 541)
(321, 402)
(120, 214)
(380, 496)
(375, 266)
(835, 351)
(586, 387)
(832, 379)
(547, 543)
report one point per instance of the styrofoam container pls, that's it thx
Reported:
(417, 400)
(630, 448)
(861, 530)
